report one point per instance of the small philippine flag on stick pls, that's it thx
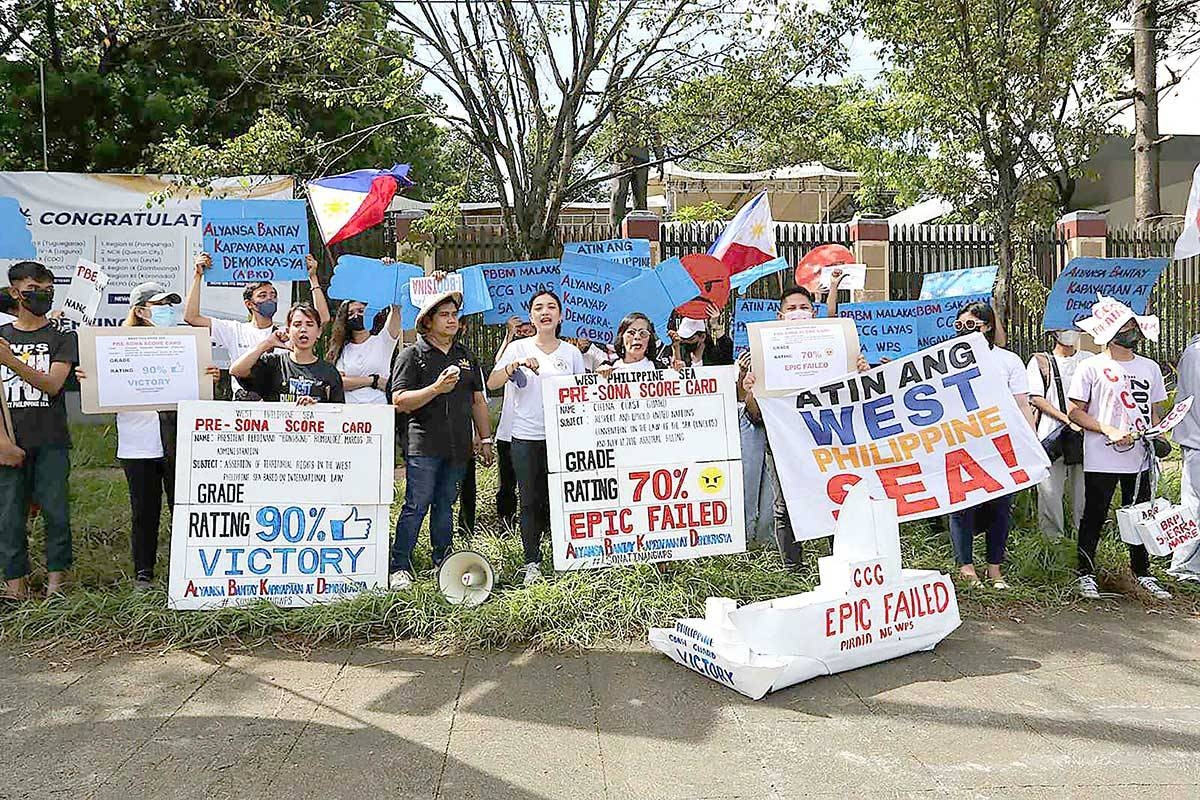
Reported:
(749, 238)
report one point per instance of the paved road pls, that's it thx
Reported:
(1099, 704)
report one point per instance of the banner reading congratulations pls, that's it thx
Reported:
(935, 431)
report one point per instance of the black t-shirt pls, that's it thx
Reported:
(443, 427)
(38, 419)
(276, 378)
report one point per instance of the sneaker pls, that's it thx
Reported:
(1088, 589)
(533, 574)
(1154, 588)
(400, 580)
(143, 585)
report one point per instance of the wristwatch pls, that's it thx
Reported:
(374, 381)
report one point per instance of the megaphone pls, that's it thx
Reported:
(466, 578)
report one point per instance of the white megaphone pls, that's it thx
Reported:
(466, 578)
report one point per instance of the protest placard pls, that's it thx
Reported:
(282, 503)
(255, 240)
(936, 317)
(643, 467)
(935, 431)
(370, 281)
(788, 355)
(512, 284)
(468, 280)
(16, 240)
(755, 309)
(82, 302)
(1128, 280)
(855, 277)
(631, 252)
(655, 292)
(143, 369)
(586, 285)
(885, 330)
(951, 283)
(422, 288)
(739, 281)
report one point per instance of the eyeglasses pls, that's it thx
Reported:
(638, 333)
(967, 325)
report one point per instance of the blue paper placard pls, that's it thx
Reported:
(937, 316)
(958, 282)
(654, 292)
(255, 240)
(745, 311)
(740, 281)
(886, 329)
(511, 285)
(631, 252)
(16, 240)
(1126, 279)
(370, 281)
(475, 297)
(586, 285)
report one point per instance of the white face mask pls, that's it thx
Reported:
(799, 313)
(1068, 338)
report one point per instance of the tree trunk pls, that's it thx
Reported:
(1146, 204)
(1006, 214)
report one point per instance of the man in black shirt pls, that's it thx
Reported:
(35, 360)
(436, 382)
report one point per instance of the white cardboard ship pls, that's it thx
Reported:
(866, 609)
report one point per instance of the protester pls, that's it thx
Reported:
(1049, 376)
(795, 303)
(1113, 396)
(636, 342)
(35, 455)
(261, 301)
(294, 374)
(542, 355)
(1185, 562)
(694, 346)
(146, 441)
(594, 356)
(506, 494)
(363, 359)
(993, 517)
(435, 382)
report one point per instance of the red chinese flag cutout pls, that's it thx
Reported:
(712, 276)
(808, 271)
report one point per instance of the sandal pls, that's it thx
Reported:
(1001, 585)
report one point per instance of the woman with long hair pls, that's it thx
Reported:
(292, 375)
(541, 355)
(992, 517)
(636, 343)
(146, 441)
(362, 358)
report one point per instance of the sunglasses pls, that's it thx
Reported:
(967, 325)
(638, 333)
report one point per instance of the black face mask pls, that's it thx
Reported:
(37, 301)
(1129, 338)
(355, 323)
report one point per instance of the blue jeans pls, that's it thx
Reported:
(430, 485)
(993, 518)
(758, 491)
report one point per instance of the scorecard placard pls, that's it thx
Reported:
(644, 467)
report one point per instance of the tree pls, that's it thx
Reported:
(1010, 93)
(548, 95)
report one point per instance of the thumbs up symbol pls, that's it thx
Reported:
(351, 528)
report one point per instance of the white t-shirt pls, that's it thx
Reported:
(235, 338)
(1013, 368)
(372, 357)
(1120, 394)
(623, 366)
(528, 415)
(138, 435)
(1038, 388)
(594, 358)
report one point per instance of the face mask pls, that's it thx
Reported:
(355, 323)
(1128, 338)
(267, 308)
(799, 313)
(163, 316)
(1068, 338)
(38, 301)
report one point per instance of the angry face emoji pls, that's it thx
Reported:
(711, 480)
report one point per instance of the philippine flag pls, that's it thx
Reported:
(348, 204)
(1189, 238)
(749, 238)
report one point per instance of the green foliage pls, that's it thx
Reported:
(708, 211)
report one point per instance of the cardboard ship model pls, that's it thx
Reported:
(866, 609)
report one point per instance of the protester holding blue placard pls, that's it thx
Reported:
(541, 355)
(261, 299)
(994, 516)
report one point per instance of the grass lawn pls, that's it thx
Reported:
(579, 609)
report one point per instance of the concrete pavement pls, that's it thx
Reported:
(1101, 703)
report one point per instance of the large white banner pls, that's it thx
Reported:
(645, 466)
(935, 431)
(280, 502)
(119, 223)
